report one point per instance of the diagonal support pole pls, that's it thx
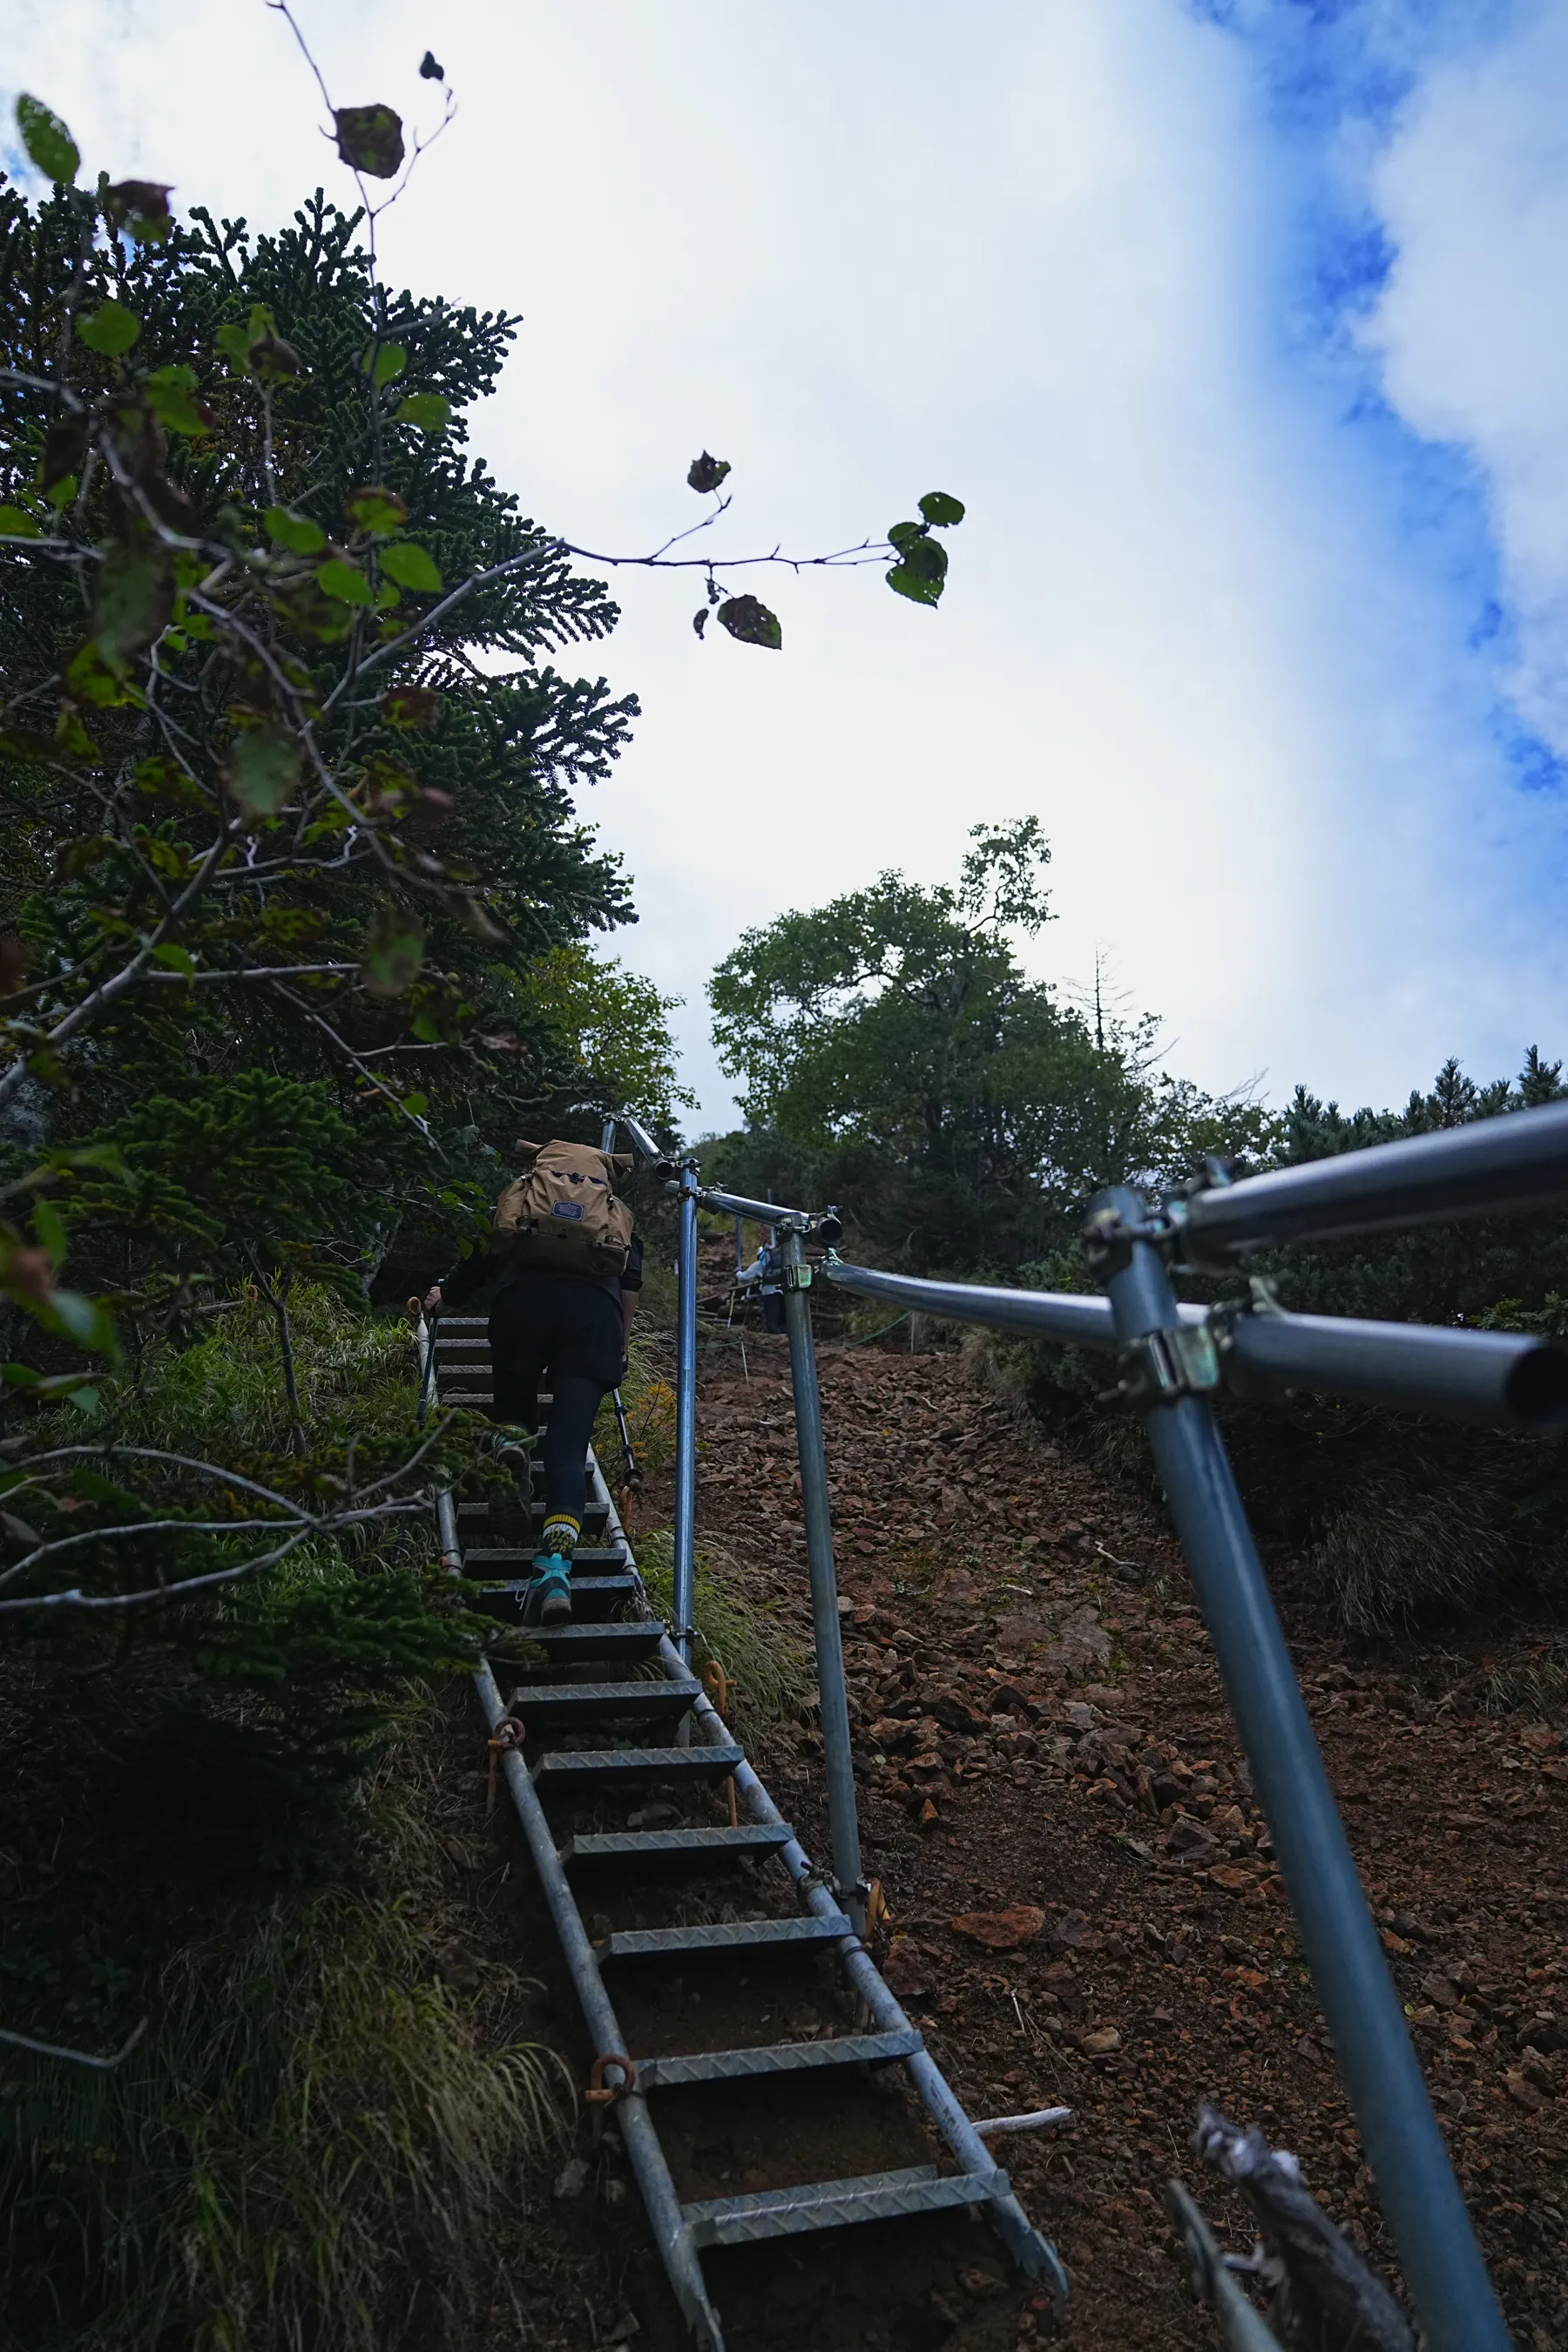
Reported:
(1442, 2264)
(843, 1821)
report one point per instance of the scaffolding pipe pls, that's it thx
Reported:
(1503, 1379)
(843, 1823)
(1491, 1168)
(685, 1416)
(762, 1213)
(1438, 2251)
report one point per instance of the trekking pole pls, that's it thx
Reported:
(634, 1475)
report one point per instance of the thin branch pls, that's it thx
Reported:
(253, 971)
(76, 2057)
(109, 991)
(144, 1528)
(346, 1050)
(77, 1599)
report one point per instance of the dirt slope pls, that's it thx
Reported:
(1040, 1731)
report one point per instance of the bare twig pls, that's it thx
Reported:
(76, 2057)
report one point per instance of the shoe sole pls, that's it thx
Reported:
(556, 1610)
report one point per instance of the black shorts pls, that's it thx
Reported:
(564, 1324)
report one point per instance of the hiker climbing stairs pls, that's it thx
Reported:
(707, 1928)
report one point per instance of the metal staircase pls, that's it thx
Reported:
(604, 1715)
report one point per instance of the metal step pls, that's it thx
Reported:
(574, 1645)
(588, 1560)
(777, 2058)
(555, 1706)
(831, 2204)
(498, 1515)
(630, 1767)
(593, 1598)
(720, 1935)
(694, 1849)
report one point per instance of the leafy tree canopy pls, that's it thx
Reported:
(895, 1055)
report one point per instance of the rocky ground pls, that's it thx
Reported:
(1082, 1907)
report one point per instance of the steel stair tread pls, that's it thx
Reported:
(833, 2204)
(593, 1599)
(777, 2058)
(544, 1706)
(589, 1559)
(697, 1848)
(568, 1767)
(565, 1645)
(722, 1936)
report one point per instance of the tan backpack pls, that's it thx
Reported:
(563, 1214)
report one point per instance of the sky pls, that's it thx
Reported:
(1239, 327)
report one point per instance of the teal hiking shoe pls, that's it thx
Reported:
(550, 1594)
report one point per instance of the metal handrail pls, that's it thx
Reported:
(1503, 1379)
(1490, 1168)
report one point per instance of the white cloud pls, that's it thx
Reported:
(1037, 255)
(1472, 330)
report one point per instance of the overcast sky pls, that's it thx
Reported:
(1238, 325)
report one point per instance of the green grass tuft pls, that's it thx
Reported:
(310, 2125)
(739, 1621)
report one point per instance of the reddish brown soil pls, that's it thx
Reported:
(1038, 1723)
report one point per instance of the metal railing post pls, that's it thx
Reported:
(1442, 2264)
(843, 1823)
(685, 1416)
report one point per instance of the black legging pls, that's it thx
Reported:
(562, 1326)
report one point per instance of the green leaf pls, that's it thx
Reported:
(417, 1105)
(50, 148)
(921, 574)
(258, 349)
(377, 509)
(175, 959)
(941, 510)
(393, 952)
(263, 771)
(410, 566)
(427, 410)
(50, 1228)
(904, 534)
(84, 1320)
(344, 580)
(15, 524)
(370, 139)
(387, 361)
(749, 621)
(111, 329)
(387, 597)
(705, 472)
(134, 599)
(298, 533)
(172, 396)
(915, 585)
(84, 1398)
(90, 679)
